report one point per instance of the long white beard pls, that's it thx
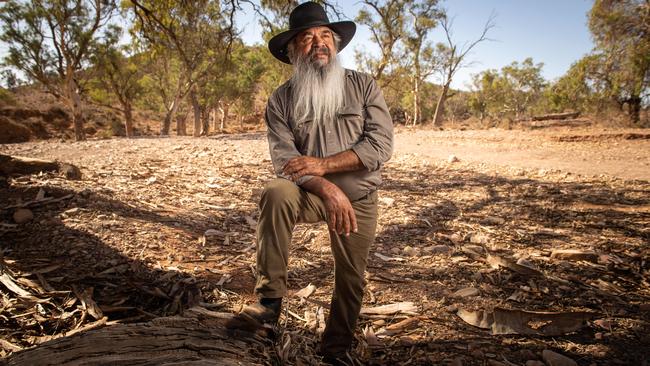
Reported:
(317, 89)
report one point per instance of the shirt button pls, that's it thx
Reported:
(329, 131)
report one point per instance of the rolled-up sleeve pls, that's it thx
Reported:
(282, 145)
(376, 144)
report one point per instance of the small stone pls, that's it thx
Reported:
(466, 292)
(534, 363)
(575, 255)
(70, 171)
(23, 215)
(455, 238)
(478, 239)
(453, 159)
(603, 323)
(555, 359)
(410, 251)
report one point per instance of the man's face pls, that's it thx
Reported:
(316, 44)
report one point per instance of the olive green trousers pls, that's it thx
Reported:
(283, 204)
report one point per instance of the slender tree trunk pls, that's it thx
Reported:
(215, 120)
(205, 120)
(74, 101)
(196, 110)
(440, 106)
(181, 124)
(416, 101)
(224, 115)
(634, 105)
(128, 119)
(171, 112)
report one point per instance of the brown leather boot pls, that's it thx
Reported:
(266, 311)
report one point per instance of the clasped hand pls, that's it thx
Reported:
(304, 165)
(340, 214)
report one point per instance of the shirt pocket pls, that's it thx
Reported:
(351, 123)
(302, 133)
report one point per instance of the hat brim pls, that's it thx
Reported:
(278, 44)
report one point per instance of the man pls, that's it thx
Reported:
(329, 133)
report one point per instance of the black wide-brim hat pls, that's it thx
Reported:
(305, 16)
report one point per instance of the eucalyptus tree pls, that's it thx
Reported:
(621, 31)
(453, 58)
(50, 42)
(118, 71)
(423, 18)
(386, 20)
(198, 34)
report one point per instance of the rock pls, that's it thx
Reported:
(70, 171)
(438, 249)
(477, 238)
(453, 159)
(455, 238)
(575, 255)
(603, 323)
(466, 292)
(410, 251)
(23, 215)
(534, 363)
(555, 359)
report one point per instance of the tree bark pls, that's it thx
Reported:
(196, 110)
(556, 116)
(74, 101)
(181, 124)
(224, 115)
(198, 337)
(440, 106)
(205, 121)
(171, 112)
(17, 165)
(128, 119)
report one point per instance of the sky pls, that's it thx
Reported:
(553, 32)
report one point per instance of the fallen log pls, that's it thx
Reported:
(18, 165)
(556, 116)
(198, 337)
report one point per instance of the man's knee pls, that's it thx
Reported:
(279, 191)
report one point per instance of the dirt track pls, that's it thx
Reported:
(132, 233)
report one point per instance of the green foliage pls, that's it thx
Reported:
(621, 30)
(513, 92)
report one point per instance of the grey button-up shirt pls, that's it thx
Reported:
(363, 125)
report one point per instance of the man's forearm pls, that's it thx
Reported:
(319, 186)
(346, 161)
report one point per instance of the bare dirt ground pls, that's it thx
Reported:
(160, 224)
